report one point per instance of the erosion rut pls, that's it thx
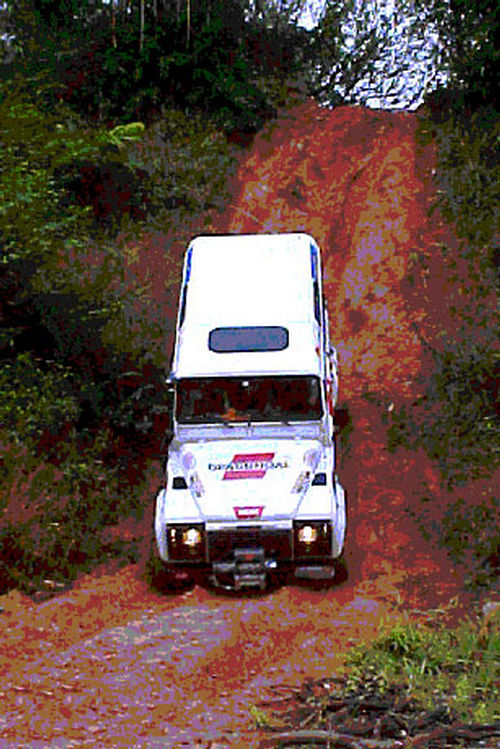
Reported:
(112, 663)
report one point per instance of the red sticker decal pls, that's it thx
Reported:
(248, 513)
(248, 466)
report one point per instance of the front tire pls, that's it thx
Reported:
(163, 578)
(156, 572)
(341, 572)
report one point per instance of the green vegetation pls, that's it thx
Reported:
(427, 684)
(236, 60)
(470, 534)
(63, 273)
(468, 185)
(57, 223)
(456, 418)
(454, 668)
(34, 401)
(83, 358)
(468, 32)
(55, 513)
(129, 60)
(33, 213)
(188, 162)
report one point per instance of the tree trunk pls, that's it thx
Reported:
(113, 24)
(141, 23)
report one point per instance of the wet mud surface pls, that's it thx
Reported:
(114, 663)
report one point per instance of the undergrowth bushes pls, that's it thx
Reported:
(468, 185)
(188, 162)
(55, 513)
(470, 533)
(456, 419)
(35, 400)
(420, 683)
(82, 342)
(455, 669)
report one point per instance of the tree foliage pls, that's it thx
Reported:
(126, 60)
(468, 47)
(381, 53)
(70, 292)
(395, 53)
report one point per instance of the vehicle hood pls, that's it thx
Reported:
(260, 480)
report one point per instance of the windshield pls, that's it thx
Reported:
(287, 398)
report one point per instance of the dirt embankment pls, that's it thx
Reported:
(349, 177)
(111, 663)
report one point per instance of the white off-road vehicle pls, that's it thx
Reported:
(251, 485)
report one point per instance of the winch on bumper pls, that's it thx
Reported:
(248, 569)
(242, 556)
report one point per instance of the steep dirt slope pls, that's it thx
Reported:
(111, 663)
(349, 177)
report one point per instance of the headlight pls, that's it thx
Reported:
(312, 538)
(307, 534)
(192, 537)
(186, 542)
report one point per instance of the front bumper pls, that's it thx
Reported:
(245, 555)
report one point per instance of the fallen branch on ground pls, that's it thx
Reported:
(328, 714)
(328, 738)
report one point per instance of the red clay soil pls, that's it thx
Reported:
(112, 663)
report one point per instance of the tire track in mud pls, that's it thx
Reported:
(112, 663)
(193, 671)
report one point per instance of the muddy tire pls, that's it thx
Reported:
(341, 573)
(155, 569)
(163, 579)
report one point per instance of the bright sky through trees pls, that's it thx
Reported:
(405, 47)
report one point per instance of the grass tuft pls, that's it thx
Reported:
(455, 669)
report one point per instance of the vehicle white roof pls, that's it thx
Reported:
(248, 280)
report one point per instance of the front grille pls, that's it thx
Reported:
(277, 544)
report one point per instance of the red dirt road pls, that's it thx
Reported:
(112, 663)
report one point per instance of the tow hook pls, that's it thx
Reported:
(248, 569)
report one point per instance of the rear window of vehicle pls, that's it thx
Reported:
(251, 338)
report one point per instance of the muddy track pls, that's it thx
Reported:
(113, 663)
